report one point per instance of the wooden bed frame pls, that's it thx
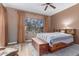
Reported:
(43, 47)
(61, 44)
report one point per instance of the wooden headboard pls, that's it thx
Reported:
(69, 31)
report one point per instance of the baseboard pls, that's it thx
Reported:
(12, 43)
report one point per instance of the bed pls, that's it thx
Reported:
(56, 37)
(59, 39)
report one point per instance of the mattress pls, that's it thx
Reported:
(55, 37)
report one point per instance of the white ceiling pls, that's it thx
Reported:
(37, 8)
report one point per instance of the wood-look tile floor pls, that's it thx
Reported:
(23, 49)
(26, 49)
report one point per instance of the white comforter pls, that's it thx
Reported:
(55, 37)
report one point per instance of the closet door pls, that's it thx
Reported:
(2, 26)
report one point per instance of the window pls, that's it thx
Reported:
(34, 25)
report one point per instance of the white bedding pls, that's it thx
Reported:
(64, 41)
(55, 37)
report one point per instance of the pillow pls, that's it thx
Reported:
(1, 52)
(62, 31)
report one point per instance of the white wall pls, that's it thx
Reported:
(12, 25)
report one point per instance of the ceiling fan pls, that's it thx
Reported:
(48, 4)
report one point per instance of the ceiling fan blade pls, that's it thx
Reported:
(46, 8)
(53, 6)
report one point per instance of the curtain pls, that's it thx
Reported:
(3, 40)
(46, 24)
(21, 17)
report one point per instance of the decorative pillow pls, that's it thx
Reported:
(62, 30)
(1, 52)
